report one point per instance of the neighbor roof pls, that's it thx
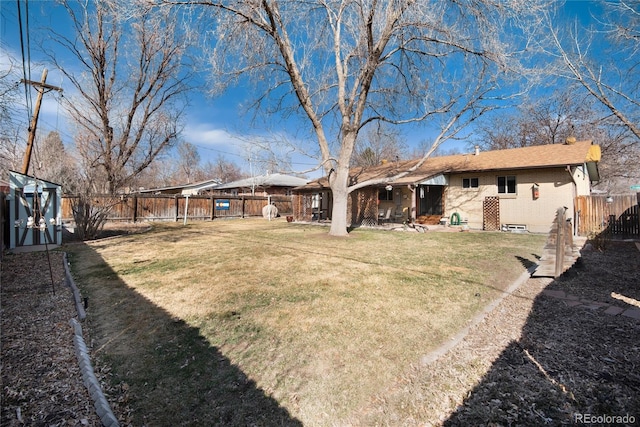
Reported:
(271, 180)
(178, 188)
(535, 157)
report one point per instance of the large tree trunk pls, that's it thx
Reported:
(340, 190)
(339, 213)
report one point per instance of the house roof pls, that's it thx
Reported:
(535, 157)
(18, 178)
(271, 180)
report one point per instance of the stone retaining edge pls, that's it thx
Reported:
(84, 361)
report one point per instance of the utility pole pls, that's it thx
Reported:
(40, 87)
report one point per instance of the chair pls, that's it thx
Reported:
(386, 217)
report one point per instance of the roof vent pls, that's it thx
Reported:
(477, 153)
(571, 140)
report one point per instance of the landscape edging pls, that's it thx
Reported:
(100, 403)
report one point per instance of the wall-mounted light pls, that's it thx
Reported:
(609, 199)
(388, 187)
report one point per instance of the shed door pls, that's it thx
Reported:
(38, 204)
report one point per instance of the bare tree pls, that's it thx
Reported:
(609, 72)
(549, 120)
(562, 114)
(223, 169)
(54, 163)
(188, 162)
(345, 64)
(128, 75)
(11, 143)
(620, 154)
(378, 143)
(173, 169)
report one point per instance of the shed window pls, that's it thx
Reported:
(469, 182)
(507, 184)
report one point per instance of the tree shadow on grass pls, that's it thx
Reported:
(161, 371)
(573, 360)
(527, 263)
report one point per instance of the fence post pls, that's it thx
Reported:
(135, 207)
(186, 208)
(560, 227)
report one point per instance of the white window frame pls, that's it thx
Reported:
(505, 186)
(470, 182)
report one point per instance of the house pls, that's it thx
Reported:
(519, 188)
(275, 184)
(183, 189)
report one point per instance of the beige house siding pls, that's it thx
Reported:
(400, 206)
(556, 189)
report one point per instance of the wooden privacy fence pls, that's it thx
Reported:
(616, 215)
(165, 207)
(3, 225)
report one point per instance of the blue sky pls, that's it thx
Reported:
(215, 125)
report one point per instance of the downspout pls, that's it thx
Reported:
(573, 201)
(568, 168)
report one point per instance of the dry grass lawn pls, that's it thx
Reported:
(249, 322)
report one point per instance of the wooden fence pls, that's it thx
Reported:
(616, 215)
(3, 224)
(162, 207)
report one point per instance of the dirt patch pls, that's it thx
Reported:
(41, 380)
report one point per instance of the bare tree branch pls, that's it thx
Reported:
(127, 110)
(346, 64)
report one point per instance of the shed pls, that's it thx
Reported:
(35, 217)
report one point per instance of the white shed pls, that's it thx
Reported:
(34, 211)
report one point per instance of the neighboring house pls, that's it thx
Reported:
(519, 188)
(265, 185)
(184, 189)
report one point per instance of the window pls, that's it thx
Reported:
(384, 194)
(469, 182)
(507, 184)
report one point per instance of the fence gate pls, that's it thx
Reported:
(618, 216)
(491, 213)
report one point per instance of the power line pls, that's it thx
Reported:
(24, 65)
(28, 32)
